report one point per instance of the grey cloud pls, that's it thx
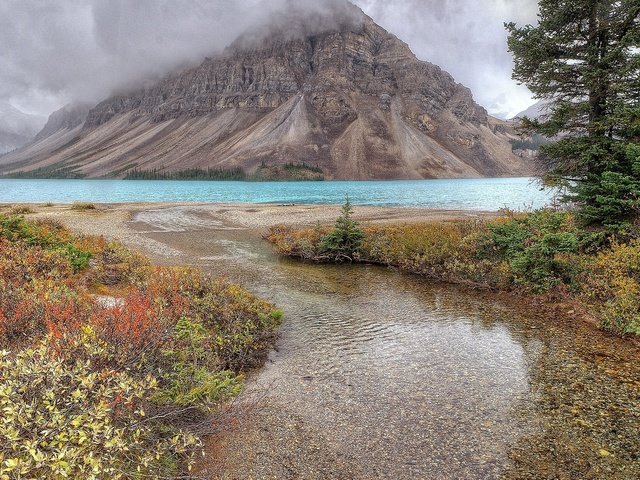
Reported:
(84, 49)
(52, 52)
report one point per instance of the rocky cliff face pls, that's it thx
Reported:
(67, 118)
(348, 98)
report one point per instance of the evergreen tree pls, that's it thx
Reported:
(583, 58)
(346, 237)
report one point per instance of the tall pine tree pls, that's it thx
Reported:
(583, 59)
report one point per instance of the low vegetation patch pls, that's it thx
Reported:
(119, 389)
(82, 206)
(539, 253)
(21, 210)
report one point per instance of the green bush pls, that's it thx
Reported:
(191, 382)
(541, 248)
(47, 235)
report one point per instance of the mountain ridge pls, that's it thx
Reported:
(352, 100)
(534, 111)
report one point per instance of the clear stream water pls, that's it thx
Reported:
(467, 194)
(382, 375)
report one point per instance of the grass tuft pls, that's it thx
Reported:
(83, 206)
(21, 210)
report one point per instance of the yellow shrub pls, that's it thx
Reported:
(117, 265)
(612, 282)
(297, 243)
(64, 416)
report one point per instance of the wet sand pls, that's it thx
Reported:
(377, 374)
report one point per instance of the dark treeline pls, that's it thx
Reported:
(533, 142)
(45, 173)
(188, 174)
(287, 171)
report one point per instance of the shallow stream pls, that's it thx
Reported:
(378, 374)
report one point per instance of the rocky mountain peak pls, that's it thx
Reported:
(325, 86)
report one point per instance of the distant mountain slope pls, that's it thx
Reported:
(17, 128)
(338, 93)
(534, 111)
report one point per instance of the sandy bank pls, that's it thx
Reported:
(111, 219)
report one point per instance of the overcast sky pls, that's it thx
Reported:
(53, 52)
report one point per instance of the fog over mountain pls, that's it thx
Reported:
(52, 53)
(17, 128)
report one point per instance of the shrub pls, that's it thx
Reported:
(21, 210)
(297, 243)
(67, 416)
(612, 283)
(117, 265)
(541, 248)
(48, 235)
(28, 313)
(191, 381)
(542, 252)
(423, 248)
(82, 206)
(176, 341)
(239, 325)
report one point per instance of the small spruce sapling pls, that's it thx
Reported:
(344, 241)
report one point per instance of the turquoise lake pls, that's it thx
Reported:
(472, 194)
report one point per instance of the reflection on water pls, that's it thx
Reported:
(384, 375)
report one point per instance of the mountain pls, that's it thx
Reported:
(17, 128)
(64, 120)
(329, 91)
(534, 111)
